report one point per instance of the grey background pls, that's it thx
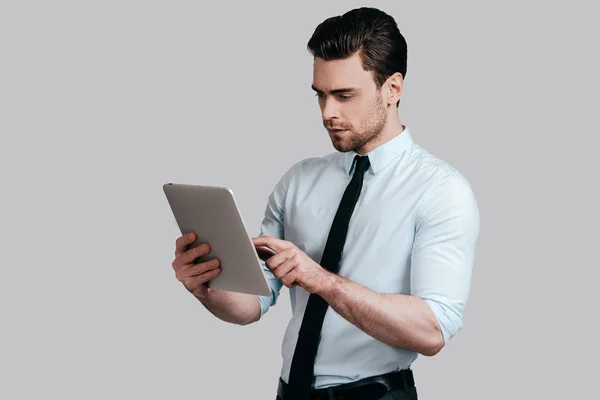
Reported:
(103, 102)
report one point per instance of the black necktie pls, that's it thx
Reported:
(302, 369)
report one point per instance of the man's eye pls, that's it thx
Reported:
(340, 96)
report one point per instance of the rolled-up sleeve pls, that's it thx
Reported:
(447, 229)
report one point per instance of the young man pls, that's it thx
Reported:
(376, 241)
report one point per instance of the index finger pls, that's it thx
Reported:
(182, 242)
(273, 243)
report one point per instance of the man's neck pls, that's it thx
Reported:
(392, 129)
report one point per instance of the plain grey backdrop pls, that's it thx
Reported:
(102, 102)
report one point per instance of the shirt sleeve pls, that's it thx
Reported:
(447, 228)
(273, 225)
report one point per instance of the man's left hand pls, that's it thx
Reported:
(291, 265)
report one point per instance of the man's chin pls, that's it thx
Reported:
(342, 147)
(343, 143)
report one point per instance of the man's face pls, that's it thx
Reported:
(352, 107)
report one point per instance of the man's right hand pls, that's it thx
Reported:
(194, 276)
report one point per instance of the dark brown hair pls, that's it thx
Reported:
(371, 33)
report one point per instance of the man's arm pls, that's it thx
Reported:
(398, 320)
(229, 306)
(232, 307)
(441, 264)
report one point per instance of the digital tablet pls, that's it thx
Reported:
(211, 212)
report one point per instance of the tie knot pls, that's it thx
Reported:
(362, 164)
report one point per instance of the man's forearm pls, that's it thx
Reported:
(398, 320)
(232, 307)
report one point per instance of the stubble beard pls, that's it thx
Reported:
(370, 129)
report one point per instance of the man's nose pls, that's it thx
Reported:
(329, 109)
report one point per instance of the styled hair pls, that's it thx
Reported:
(371, 33)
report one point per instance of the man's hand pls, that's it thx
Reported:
(194, 276)
(291, 265)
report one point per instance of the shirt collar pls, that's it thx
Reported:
(380, 156)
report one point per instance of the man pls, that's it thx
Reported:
(375, 241)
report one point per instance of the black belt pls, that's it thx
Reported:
(372, 387)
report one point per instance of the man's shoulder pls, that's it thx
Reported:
(442, 182)
(433, 167)
(425, 160)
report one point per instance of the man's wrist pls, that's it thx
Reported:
(328, 282)
(208, 296)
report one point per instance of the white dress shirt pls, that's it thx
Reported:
(413, 231)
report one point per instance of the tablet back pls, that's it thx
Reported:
(212, 214)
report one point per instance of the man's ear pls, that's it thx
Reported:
(395, 84)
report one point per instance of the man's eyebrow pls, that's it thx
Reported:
(334, 91)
